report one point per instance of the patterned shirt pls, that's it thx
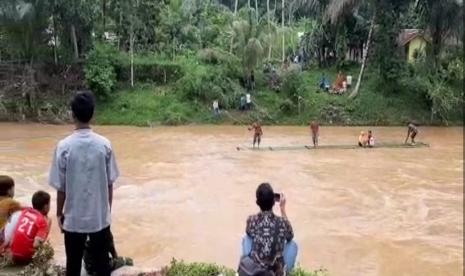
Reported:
(84, 168)
(270, 234)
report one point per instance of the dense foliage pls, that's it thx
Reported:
(198, 51)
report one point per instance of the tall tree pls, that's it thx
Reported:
(282, 27)
(270, 45)
(336, 10)
(232, 35)
(256, 10)
(23, 24)
(441, 18)
(366, 50)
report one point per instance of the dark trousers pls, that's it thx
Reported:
(98, 245)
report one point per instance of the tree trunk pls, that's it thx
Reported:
(55, 43)
(364, 60)
(131, 49)
(270, 44)
(291, 11)
(120, 27)
(104, 9)
(75, 45)
(282, 27)
(174, 48)
(248, 4)
(256, 10)
(232, 35)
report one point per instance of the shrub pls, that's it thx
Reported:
(148, 68)
(292, 86)
(179, 268)
(208, 83)
(300, 272)
(99, 70)
(287, 106)
(175, 114)
(211, 56)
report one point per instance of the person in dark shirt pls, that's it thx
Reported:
(269, 237)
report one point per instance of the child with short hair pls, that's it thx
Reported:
(28, 228)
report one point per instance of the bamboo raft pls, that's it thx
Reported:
(342, 147)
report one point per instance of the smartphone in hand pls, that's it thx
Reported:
(277, 197)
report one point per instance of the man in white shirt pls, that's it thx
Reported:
(83, 172)
(216, 107)
(248, 101)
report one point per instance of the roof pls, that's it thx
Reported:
(407, 35)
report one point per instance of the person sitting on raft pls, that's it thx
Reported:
(411, 132)
(362, 139)
(371, 139)
(258, 132)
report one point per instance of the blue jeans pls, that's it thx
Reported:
(289, 254)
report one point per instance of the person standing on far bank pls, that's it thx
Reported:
(83, 172)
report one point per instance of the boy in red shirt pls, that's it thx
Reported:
(31, 229)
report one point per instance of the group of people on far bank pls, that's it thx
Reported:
(83, 172)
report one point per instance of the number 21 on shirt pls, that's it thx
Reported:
(26, 225)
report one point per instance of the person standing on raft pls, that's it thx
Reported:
(258, 132)
(315, 128)
(411, 132)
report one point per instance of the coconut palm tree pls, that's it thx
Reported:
(268, 16)
(282, 27)
(23, 26)
(232, 36)
(336, 10)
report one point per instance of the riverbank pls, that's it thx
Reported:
(148, 105)
(43, 264)
(187, 99)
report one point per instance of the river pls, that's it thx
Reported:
(186, 192)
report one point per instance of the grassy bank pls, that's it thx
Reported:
(42, 264)
(151, 104)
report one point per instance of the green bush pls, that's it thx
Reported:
(148, 68)
(180, 268)
(300, 272)
(211, 56)
(99, 70)
(175, 114)
(293, 86)
(206, 83)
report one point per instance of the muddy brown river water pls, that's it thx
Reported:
(185, 192)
